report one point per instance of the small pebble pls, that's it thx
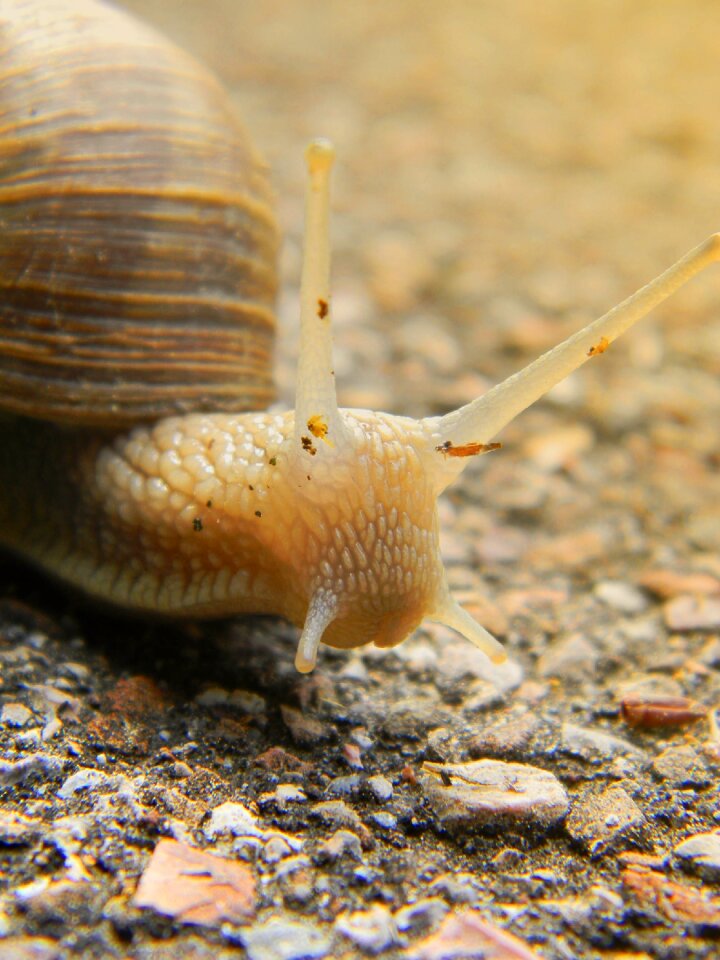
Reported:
(667, 583)
(83, 780)
(692, 613)
(600, 822)
(64, 902)
(573, 910)
(80, 671)
(595, 745)
(212, 697)
(455, 887)
(37, 640)
(282, 795)
(417, 918)
(281, 939)
(276, 848)
(15, 715)
(278, 760)
(344, 786)
(414, 716)
(381, 788)
(234, 819)
(180, 770)
(351, 755)
(248, 702)
(702, 853)
(504, 739)
(465, 796)
(354, 669)
(300, 889)
(341, 843)
(621, 596)
(682, 766)
(51, 729)
(365, 874)
(384, 820)
(337, 813)
(305, 730)
(360, 737)
(570, 659)
(372, 930)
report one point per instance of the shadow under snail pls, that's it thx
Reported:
(137, 250)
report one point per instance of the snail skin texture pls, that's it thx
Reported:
(323, 515)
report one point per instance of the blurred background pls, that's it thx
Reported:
(506, 172)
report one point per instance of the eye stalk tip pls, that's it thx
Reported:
(304, 663)
(320, 155)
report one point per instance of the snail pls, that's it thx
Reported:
(137, 271)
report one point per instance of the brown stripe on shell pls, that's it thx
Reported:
(137, 240)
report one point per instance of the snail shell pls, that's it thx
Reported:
(137, 239)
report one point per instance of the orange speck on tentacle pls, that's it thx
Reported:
(448, 449)
(318, 427)
(599, 347)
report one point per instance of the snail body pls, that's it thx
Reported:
(213, 514)
(323, 515)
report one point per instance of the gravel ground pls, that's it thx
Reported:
(506, 172)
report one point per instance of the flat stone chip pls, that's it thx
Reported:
(465, 796)
(196, 887)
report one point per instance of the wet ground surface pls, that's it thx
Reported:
(505, 174)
